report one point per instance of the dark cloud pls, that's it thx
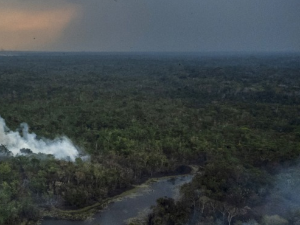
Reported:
(181, 25)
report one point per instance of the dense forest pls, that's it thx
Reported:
(142, 115)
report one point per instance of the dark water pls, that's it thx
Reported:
(132, 205)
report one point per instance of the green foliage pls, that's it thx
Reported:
(274, 220)
(139, 116)
(167, 213)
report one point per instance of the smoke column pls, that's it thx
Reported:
(61, 148)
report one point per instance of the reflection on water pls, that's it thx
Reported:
(130, 206)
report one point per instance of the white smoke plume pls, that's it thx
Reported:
(60, 148)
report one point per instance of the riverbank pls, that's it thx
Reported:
(86, 212)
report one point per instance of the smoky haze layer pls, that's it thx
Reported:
(143, 25)
(60, 148)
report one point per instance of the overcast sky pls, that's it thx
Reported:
(150, 25)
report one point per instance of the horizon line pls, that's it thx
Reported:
(152, 52)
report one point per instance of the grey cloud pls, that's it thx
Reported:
(177, 25)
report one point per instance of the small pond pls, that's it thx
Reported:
(132, 205)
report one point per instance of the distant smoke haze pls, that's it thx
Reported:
(60, 148)
(143, 25)
(27, 26)
(285, 196)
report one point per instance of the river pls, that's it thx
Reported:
(132, 205)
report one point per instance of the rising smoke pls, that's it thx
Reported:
(60, 148)
(284, 198)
